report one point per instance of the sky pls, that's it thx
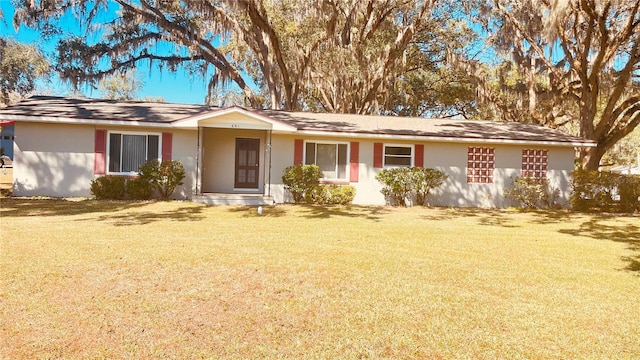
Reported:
(172, 87)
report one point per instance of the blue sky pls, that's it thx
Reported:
(173, 87)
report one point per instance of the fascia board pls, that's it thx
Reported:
(448, 139)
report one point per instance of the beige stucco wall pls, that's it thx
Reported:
(185, 149)
(218, 160)
(451, 158)
(58, 160)
(52, 160)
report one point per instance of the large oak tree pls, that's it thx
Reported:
(328, 55)
(571, 61)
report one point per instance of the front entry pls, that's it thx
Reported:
(247, 163)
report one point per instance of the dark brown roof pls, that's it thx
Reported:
(101, 109)
(413, 126)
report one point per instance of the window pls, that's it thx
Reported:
(127, 151)
(398, 155)
(534, 163)
(330, 157)
(480, 164)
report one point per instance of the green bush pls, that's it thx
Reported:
(532, 193)
(605, 191)
(397, 185)
(401, 184)
(108, 187)
(330, 195)
(299, 179)
(164, 177)
(139, 189)
(423, 180)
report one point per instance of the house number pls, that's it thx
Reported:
(235, 125)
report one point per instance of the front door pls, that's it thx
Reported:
(247, 163)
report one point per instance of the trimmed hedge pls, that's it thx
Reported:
(139, 189)
(160, 177)
(108, 187)
(403, 184)
(330, 195)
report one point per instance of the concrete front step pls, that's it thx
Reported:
(233, 199)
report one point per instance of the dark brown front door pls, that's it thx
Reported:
(247, 163)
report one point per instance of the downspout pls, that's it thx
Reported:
(198, 164)
(269, 173)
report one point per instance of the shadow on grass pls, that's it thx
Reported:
(351, 211)
(21, 207)
(17, 207)
(147, 217)
(485, 217)
(624, 233)
(316, 211)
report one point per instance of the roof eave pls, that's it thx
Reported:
(447, 139)
(83, 121)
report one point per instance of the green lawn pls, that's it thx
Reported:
(90, 280)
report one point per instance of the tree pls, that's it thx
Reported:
(329, 55)
(20, 66)
(575, 61)
(120, 86)
(124, 86)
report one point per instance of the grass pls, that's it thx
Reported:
(86, 280)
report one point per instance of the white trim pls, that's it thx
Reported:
(348, 168)
(139, 133)
(83, 121)
(269, 123)
(411, 157)
(280, 127)
(431, 138)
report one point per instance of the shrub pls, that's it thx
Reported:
(164, 177)
(108, 187)
(605, 191)
(423, 180)
(299, 179)
(139, 189)
(532, 193)
(396, 185)
(629, 191)
(400, 184)
(330, 194)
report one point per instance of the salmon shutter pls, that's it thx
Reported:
(100, 157)
(167, 146)
(354, 161)
(419, 157)
(377, 155)
(298, 148)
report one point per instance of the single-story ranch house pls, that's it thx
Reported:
(237, 155)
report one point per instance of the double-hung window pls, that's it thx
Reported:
(331, 157)
(127, 151)
(398, 155)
